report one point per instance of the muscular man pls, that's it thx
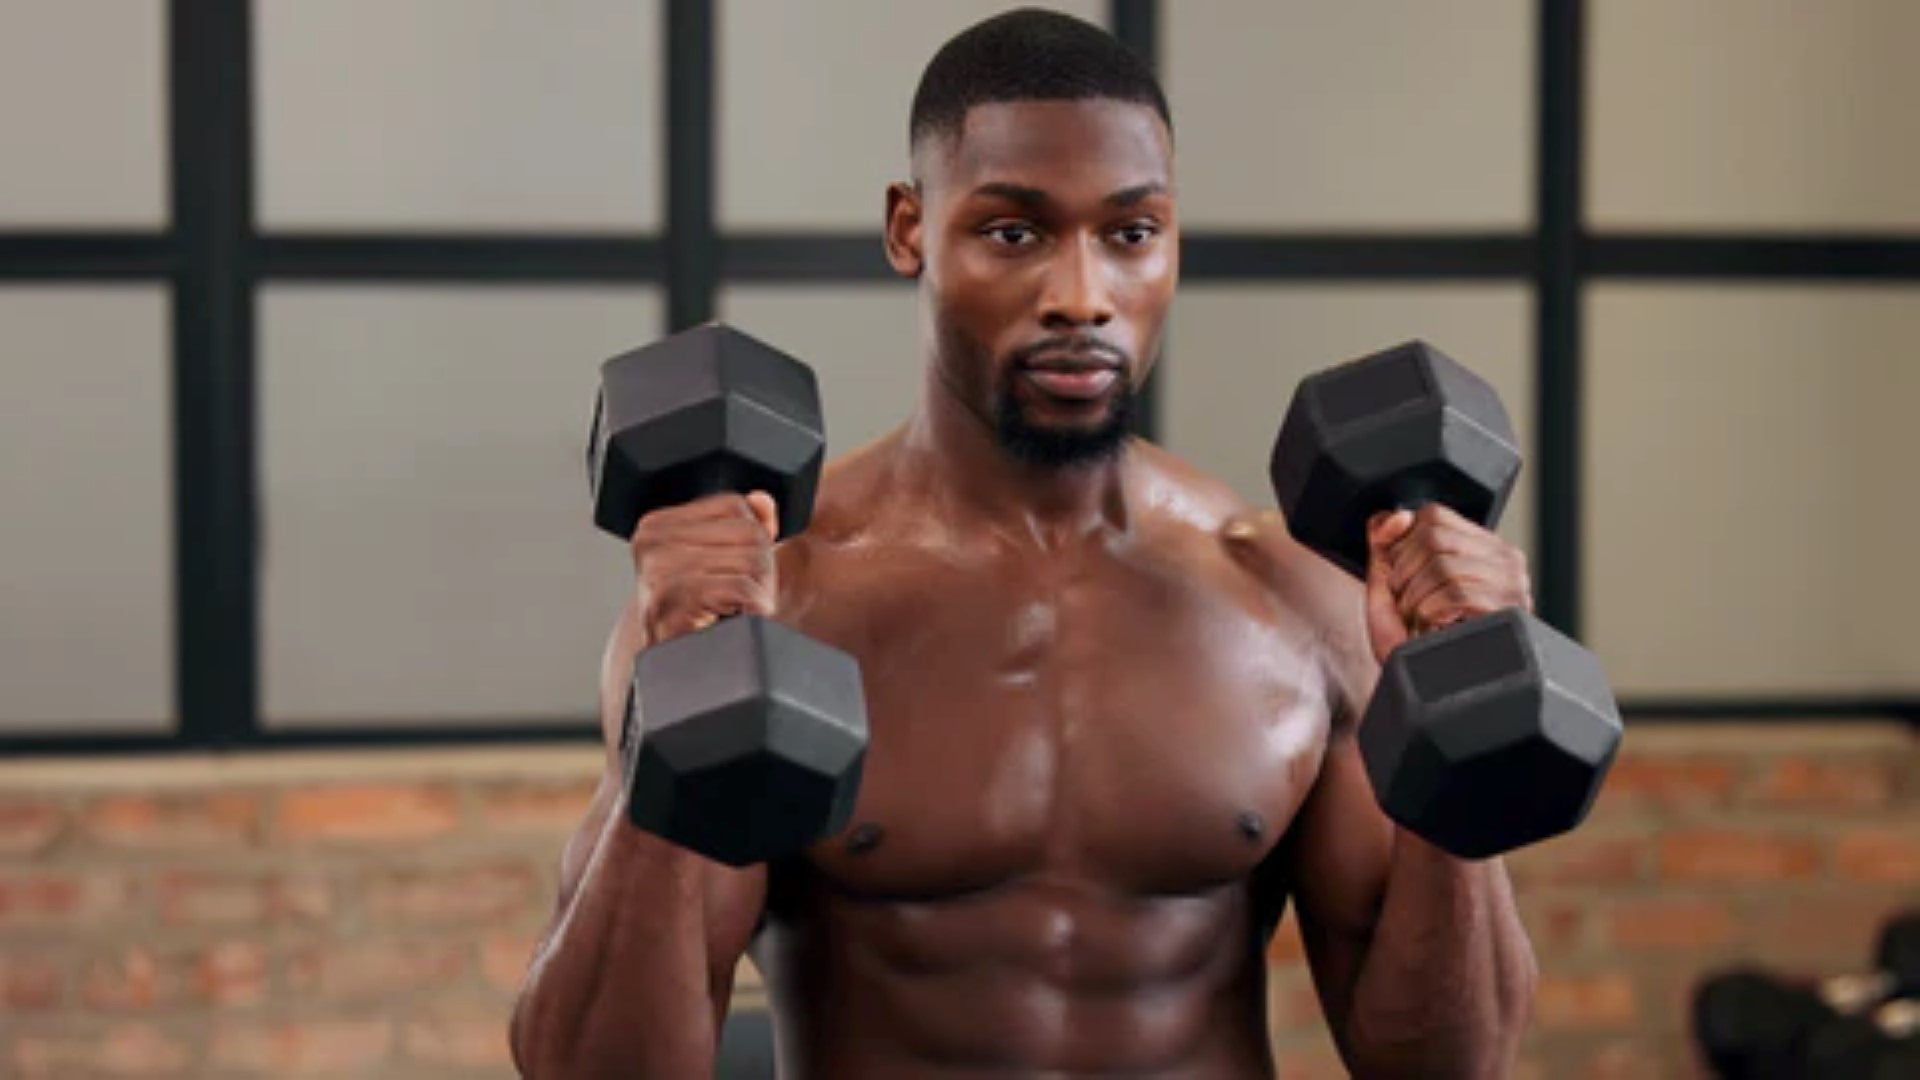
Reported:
(1112, 707)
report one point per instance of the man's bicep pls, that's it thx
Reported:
(1340, 848)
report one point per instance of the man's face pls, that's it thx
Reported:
(1045, 240)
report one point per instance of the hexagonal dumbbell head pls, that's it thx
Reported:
(753, 740)
(1399, 427)
(708, 409)
(1490, 734)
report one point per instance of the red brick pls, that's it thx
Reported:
(128, 982)
(1557, 926)
(173, 823)
(492, 892)
(223, 975)
(307, 1046)
(375, 969)
(1638, 781)
(1889, 855)
(64, 899)
(29, 983)
(1728, 855)
(231, 974)
(213, 899)
(29, 827)
(1578, 859)
(553, 808)
(1825, 932)
(1671, 925)
(504, 959)
(1804, 783)
(470, 1042)
(379, 814)
(1604, 1001)
(130, 1049)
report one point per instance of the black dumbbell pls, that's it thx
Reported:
(746, 738)
(1881, 1044)
(1489, 734)
(1754, 1025)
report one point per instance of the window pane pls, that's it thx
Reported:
(1236, 353)
(1749, 474)
(83, 113)
(863, 344)
(814, 100)
(429, 553)
(1771, 114)
(454, 114)
(1352, 114)
(86, 643)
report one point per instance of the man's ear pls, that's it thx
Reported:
(904, 252)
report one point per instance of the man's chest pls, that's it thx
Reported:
(1146, 725)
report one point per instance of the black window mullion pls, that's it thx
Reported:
(1557, 311)
(1137, 24)
(210, 130)
(692, 244)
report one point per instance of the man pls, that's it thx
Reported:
(1112, 707)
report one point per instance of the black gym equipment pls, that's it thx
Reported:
(746, 739)
(1753, 1025)
(1883, 1044)
(1495, 732)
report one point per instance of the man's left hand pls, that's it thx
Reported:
(1430, 568)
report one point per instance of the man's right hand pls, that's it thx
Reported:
(701, 561)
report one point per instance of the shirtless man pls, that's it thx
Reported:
(1112, 707)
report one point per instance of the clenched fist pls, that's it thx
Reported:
(698, 562)
(1430, 568)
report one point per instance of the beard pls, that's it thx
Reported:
(1055, 447)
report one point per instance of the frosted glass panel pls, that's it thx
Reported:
(429, 553)
(86, 585)
(1755, 114)
(814, 100)
(1750, 476)
(1352, 114)
(863, 344)
(459, 114)
(1236, 353)
(83, 113)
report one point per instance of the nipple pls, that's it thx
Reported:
(1251, 825)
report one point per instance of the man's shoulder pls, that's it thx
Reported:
(1186, 496)
(1197, 502)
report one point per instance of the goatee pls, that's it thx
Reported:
(1059, 448)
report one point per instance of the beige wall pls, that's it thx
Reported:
(1744, 462)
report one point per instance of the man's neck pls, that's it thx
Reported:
(955, 456)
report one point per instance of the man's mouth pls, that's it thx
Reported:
(1078, 379)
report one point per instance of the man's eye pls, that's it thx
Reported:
(1011, 235)
(1136, 234)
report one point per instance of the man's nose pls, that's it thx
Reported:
(1076, 291)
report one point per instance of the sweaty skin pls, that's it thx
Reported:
(1111, 706)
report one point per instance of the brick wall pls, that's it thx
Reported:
(369, 914)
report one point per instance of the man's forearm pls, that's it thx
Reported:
(1446, 984)
(621, 986)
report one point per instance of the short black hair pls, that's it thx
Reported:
(1028, 54)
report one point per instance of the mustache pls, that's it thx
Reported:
(1071, 344)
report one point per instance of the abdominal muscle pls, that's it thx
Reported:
(1036, 977)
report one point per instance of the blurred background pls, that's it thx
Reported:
(301, 306)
